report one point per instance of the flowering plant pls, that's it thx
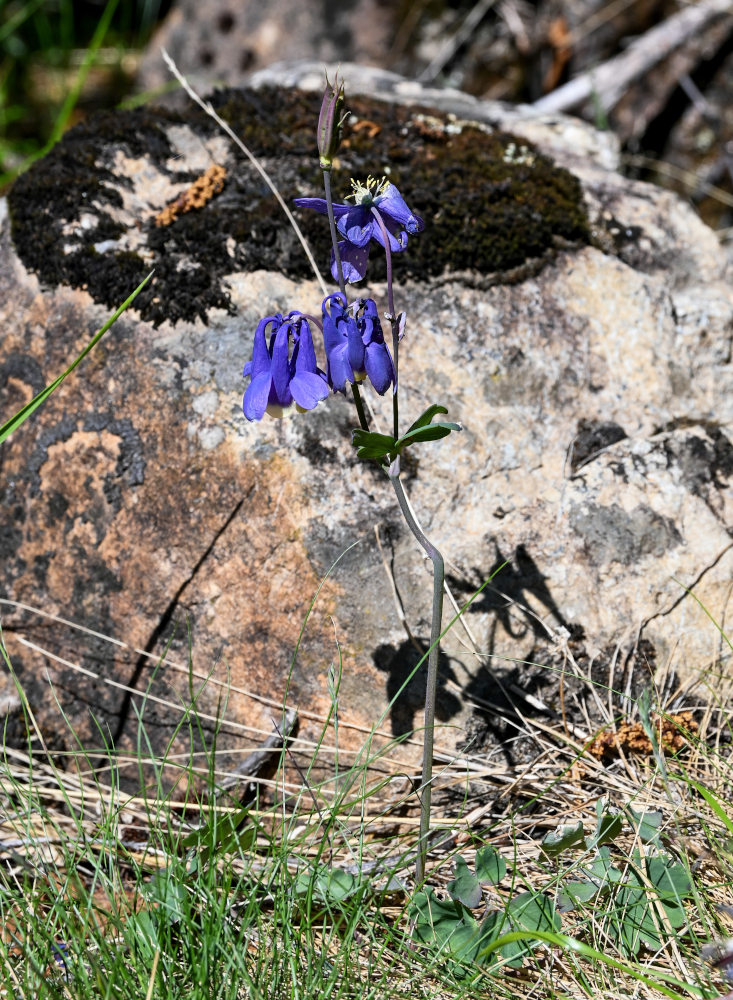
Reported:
(284, 370)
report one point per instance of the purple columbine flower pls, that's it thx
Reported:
(279, 377)
(355, 345)
(359, 225)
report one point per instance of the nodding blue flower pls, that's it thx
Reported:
(281, 377)
(355, 346)
(359, 225)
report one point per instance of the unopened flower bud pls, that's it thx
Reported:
(330, 120)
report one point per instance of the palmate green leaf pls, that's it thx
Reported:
(490, 866)
(369, 444)
(529, 911)
(335, 885)
(599, 877)
(557, 841)
(602, 871)
(633, 916)
(164, 891)
(22, 415)
(608, 826)
(574, 893)
(426, 417)
(669, 878)
(673, 884)
(465, 887)
(446, 924)
(623, 917)
(232, 833)
(647, 825)
(433, 432)
(325, 884)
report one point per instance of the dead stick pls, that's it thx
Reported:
(255, 761)
(611, 79)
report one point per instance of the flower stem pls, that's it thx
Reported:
(334, 237)
(432, 679)
(359, 403)
(394, 323)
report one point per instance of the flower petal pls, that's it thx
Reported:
(397, 240)
(309, 389)
(255, 399)
(339, 369)
(281, 369)
(260, 355)
(357, 225)
(379, 367)
(353, 262)
(304, 353)
(393, 205)
(321, 205)
(355, 345)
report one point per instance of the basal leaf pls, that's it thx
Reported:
(490, 866)
(446, 924)
(574, 893)
(335, 884)
(465, 887)
(670, 878)
(647, 825)
(557, 841)
(608, 826)
(529, 911)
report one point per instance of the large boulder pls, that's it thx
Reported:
(577, 324)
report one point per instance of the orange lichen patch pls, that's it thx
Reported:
(671, 731)
(369, 128)
(203, 189)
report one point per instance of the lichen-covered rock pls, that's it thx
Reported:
(107, 204)
(577, 324)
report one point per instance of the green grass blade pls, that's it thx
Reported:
(713, 802)
(15, 421)
(655, 979)
(90, 56)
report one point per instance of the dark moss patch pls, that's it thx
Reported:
(491, 203)
(592, 438)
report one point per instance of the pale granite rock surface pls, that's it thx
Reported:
(594, 387)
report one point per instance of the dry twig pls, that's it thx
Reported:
(611, 80)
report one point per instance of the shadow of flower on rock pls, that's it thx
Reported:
(407, 705)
